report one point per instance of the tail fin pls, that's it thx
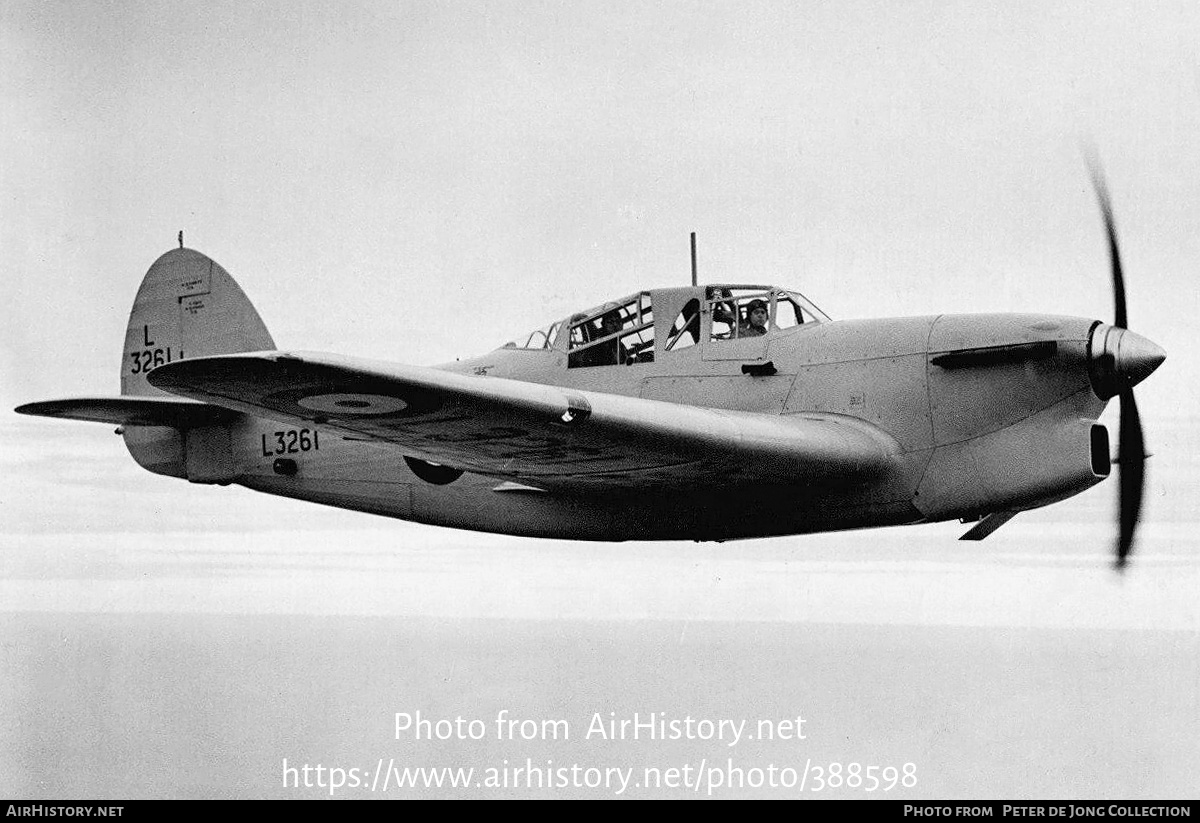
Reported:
(187, 306)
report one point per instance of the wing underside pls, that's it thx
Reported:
(549, 436)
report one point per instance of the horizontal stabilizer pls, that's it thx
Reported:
(132, 411)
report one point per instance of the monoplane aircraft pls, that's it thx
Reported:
(705, 412)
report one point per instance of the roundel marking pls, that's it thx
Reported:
(343, 403)
(361, 400)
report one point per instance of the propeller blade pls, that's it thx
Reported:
(1114, 253)
(1131, 449)
(1131, 461)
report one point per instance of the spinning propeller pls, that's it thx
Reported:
(1120, 359)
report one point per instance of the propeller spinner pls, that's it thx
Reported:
(1120, 359)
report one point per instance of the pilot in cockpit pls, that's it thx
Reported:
(755, 324)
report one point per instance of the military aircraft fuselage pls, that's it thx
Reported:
(706, 412)
(1011, 432)
(709, 412)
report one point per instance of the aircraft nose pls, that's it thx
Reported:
(1121, 358)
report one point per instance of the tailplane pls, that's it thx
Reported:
(187, 306)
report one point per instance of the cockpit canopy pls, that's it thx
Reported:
(653, 323)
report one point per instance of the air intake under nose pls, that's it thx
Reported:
(1120, 359)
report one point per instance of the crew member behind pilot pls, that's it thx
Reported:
(756, 320)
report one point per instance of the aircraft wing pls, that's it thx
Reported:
(548, 436)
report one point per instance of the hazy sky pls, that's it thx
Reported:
(420, 181)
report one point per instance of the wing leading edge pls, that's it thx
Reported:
(555, 437)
